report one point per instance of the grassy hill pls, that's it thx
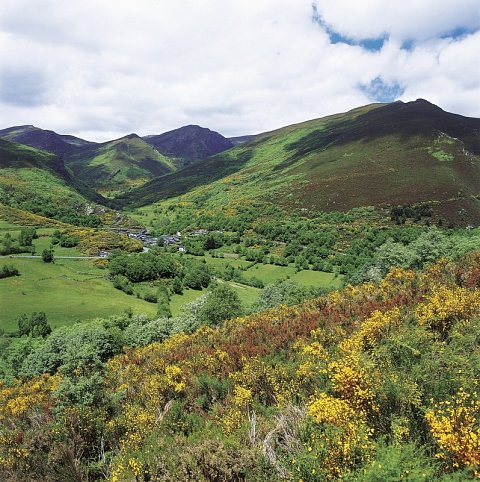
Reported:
(374, 155)
(118, 165)
(38, 182)
(15, 155)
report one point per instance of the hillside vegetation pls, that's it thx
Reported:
(38, 182)
(374, 382)
(411, 153)
(116, 166)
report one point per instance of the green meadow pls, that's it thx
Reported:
(318, 279)
(67, 291)
(269, 273)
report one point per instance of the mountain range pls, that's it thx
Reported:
(115, 166)
(375, 155)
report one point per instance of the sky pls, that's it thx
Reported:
(101, 69)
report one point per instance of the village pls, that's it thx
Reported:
(149, 241)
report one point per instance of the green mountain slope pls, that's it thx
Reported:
(37, 181)
(118, 165)
(374, 155)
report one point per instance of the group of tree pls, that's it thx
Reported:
(177, 271)
(66, 240)
(399, 214)
(70, 210)
(35, 325)
(22, 244)
(415, 253)
(265, 233)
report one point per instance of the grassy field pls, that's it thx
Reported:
(67, 291)
(221, 263)
(269, 273)
(319, 279)
(44, 240)
(177, 301)
(5, 226)
(247, 294)
(76, 290)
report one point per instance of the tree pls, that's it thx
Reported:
(394, 254)
(26, 236)
(163, 305)
(284, 292)
(431, 245)
(197, 276)
(47, 255)
(222, 303)
(177, 286)
(34, 326)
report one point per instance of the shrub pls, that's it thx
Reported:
(47, 255)
(8, 271)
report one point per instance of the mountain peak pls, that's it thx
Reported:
(190, 143)
(131, 136)
(46, 140)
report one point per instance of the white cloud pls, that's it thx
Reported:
(402, 20)
(104, 68)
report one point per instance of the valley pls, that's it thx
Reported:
(241, 213)
(233, 308)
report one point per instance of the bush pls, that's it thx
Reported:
(222, 303)
(123, 284)
(198, 276)
(143, 332)
(26, 236)
(8, 271)
(47, 255)
(150, 297)
(395, 463)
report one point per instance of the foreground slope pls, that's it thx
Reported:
(118, 165)
(375, 382)
(409, 152)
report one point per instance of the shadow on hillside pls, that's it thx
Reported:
(400, 119)
(182, 181)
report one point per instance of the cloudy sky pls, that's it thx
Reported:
(101, 69)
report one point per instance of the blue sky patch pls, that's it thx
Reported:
(408, 45)
(458, 33)
(378, 90)
(372, 44)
